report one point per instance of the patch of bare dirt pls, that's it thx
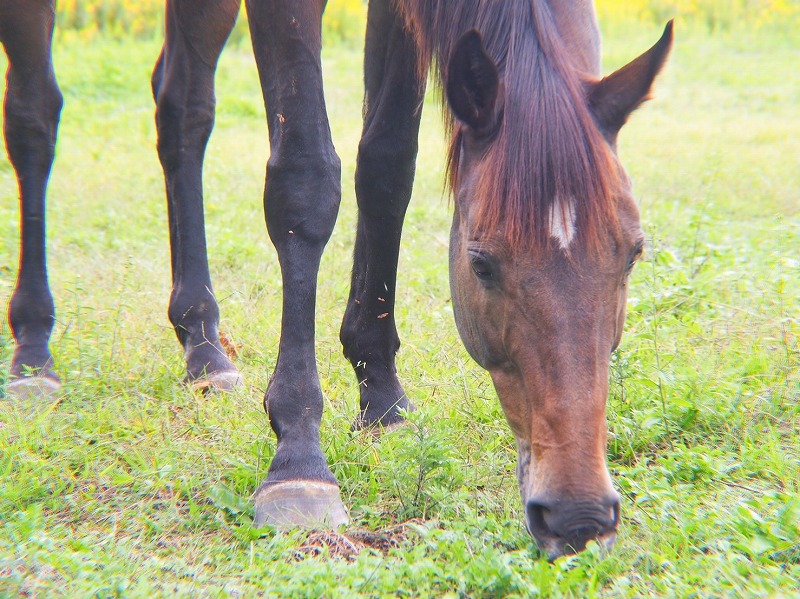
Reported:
(348, 546)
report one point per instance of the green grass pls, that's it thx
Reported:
(131, 485)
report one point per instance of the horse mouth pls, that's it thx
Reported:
(555, 547)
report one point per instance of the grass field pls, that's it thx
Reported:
(130, 485)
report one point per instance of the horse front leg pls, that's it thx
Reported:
(32, 108)
(183, 88)
(301, 201)
(394, 92)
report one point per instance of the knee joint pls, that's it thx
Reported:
(181, 124)
(32, 125)
(302, 197)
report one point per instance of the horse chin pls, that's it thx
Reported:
(555, 547)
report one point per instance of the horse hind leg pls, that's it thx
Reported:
(384, 178)
(32, 108)
(183, 88)
(301, 202)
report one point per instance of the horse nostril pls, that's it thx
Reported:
(537, 524)
(614, 513)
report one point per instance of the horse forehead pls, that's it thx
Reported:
(568, 273)
(561, 222)
(563, 228)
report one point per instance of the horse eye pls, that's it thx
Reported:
(638, 252)
(481, 266)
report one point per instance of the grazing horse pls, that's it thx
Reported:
(545, 229)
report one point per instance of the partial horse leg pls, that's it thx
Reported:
(384, 177)
(183, 88)
(301, 200)
(32, 108)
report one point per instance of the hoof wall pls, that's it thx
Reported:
(220, 381)
(33, 387)
(300, 504)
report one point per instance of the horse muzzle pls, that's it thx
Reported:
(564, 527)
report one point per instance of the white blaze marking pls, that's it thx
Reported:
(562, 223)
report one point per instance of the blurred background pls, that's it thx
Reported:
(344, 19)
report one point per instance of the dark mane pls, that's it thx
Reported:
(548, 146)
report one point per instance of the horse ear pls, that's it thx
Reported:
(613, 98)
(472, 84)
